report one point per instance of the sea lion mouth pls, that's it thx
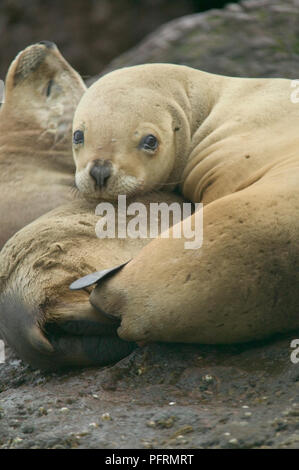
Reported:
(102, 181)
(30, 59)
(48, 44)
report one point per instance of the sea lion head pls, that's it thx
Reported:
(37, 169)
(127, 132)
(41, 93)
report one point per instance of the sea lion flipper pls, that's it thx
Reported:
(91, 350)
(95, 277)
(39, 341)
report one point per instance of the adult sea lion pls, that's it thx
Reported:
(36, 166)
(47, 324)
(231, 143)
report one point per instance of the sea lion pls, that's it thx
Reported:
(36, 165)
(230, 143)
(46, 323)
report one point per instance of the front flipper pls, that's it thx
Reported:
(73, 335)
(82, 351)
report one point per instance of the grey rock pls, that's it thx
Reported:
(255, 38)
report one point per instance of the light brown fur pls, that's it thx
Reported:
(36, 167)
(231, 143)
(47, 324)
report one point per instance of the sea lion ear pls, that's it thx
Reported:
(95, 277)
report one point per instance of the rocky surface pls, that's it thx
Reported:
(176, 396)
(161, 396)
(255, 38)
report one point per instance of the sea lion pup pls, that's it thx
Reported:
(47, 324)
(231, 143)
(36, 166)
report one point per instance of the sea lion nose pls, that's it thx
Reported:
(100, 171)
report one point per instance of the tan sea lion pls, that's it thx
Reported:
(36, 165)
(47, 324)
(231, 143)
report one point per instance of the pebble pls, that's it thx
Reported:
(147, 444)
(93, 425)
(151, 424)
(42, 411)
(64, 409)
(207, 378)
(233, 441)
(183, 430)
(27, 429)
(17, 440)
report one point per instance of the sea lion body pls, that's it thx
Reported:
(231, 143)
(47, 324)
(36, 166)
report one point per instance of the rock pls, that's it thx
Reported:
(89, 33)
(252, 39)
(232, 411)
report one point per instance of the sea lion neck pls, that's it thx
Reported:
(204, 90)
(193, 96)
(242, 134)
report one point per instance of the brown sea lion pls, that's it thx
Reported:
(47, 324)
(36, 165)
(230, 143)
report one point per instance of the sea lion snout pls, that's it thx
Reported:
(48, 44)
(100, 172)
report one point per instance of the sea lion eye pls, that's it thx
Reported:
(49, 87)
(78, 137)
(149, 142)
